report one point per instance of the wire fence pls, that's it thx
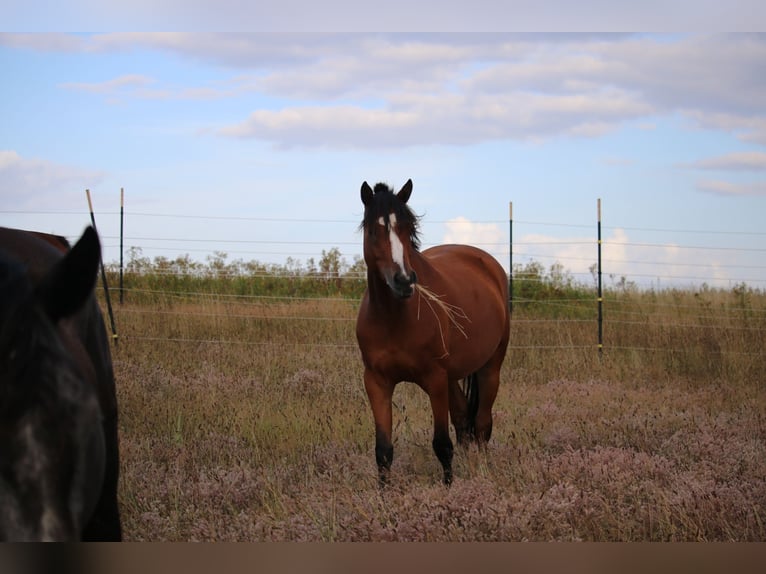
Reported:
(733, 325)
(704, 289)
(718, 257)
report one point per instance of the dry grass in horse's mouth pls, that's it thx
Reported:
(454, 313)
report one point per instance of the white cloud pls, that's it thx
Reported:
(51, 42)
(749, 128)
(424, 119)
(737, 161)
(506, 88)
(487, 236)
(706, 73)
(137, 86)
(453, 88)
(577, 254)
(727, 188)
(463, 230)
(110, 87)
(42, 184)
(128, 80)
(638, 262)
(343, 126)
(744, 161)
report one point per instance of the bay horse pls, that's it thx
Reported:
(59, 460)
(435, 318)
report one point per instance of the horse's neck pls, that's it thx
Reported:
(423, 267)
(380, 293)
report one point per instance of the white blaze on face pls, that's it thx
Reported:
(397, 249)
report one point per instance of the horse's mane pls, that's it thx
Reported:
(386, 202)
(24, 332)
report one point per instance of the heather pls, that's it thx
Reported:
(244, 418)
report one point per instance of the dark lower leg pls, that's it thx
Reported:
(459, 414)
(443, 448)
(384, 456)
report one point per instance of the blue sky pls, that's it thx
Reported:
(263, 140)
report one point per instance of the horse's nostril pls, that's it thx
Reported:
(404, 280)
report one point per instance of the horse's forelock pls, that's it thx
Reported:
(381, 187)
(385, 202)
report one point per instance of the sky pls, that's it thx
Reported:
(256, 144)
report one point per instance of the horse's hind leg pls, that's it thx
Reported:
(439, 395)
(458, 410)
(488, 380)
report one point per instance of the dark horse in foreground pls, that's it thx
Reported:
(433, 318)
(59, 458)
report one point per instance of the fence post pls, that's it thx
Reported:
(122, 220)
(510, 256)
(103, 273)
(600, 293)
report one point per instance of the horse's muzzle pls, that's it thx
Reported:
(403, 285)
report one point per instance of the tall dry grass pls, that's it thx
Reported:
(246, 419)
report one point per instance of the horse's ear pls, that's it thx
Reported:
(405, 192)
(67, 286)
(366, 193)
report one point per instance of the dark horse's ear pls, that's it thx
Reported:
(405, 192)
(366, 193)
(67, 286)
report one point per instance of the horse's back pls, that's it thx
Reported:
(467, 263)
(38, 252)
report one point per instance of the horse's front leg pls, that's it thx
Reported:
(379, 392)
(437, 388)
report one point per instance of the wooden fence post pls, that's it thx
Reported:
(103, 273)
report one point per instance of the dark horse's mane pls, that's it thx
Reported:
(386, 202)
(24, 330)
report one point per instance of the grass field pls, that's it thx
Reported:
(244, 418)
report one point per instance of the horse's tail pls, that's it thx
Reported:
(472, 398)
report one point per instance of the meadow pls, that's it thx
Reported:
(243, 416)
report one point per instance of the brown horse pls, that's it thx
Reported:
(58, 408)
(433, 318)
